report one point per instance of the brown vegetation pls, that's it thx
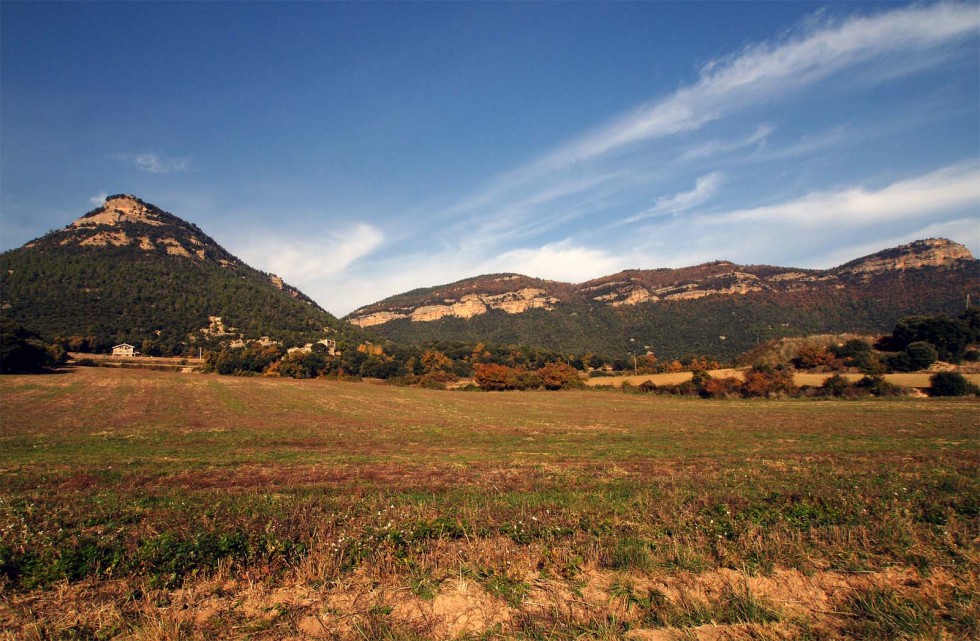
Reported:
(146, 505)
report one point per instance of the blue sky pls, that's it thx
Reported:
(363, 149)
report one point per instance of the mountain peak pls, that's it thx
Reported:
(130, 271)
(930, 252)
(121, 208)
(124, 221)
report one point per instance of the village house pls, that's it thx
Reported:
(329, 343)
(125, 349)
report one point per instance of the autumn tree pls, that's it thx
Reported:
(768, 381)
(435, 361)
(494, 377)
(813, 357)
(555, 376)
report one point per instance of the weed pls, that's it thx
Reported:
(629, 554)
(739, 605)
(883, 613)
(504, 586)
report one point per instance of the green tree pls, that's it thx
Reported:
(949, 337)
(21, 351)
(950, 384)
(921, 355)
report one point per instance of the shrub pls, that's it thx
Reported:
(812, 357)
(950, 384)
(918, 355)
(555, 376)
(852, 348)
(494, 377)
(728, 387)
(22, 351)
(921, 354)
(837, 386)
(301, 365)
(525, 379)
(876, 385)
(768, 381)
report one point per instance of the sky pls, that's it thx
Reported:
(360, 150)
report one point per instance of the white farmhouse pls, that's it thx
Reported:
(124, 349)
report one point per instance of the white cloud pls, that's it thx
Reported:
(704, 188)
(758, 73)
(716, 147)
(312, 262)
(154, 163)
(961, 230)
(952, 188)
(820, 229)
(593, 174)
(562, 261)
(826, 228)
(98, 200)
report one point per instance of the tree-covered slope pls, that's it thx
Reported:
(130, 272)
(717, 309)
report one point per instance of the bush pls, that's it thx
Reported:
(21, 351)
(837, 386)
(921, 354)
(728, 387)
(852, 348)
(950, 384)
(918, 355)
(302, 365)
(555, 376)
(876, 385)
(494, 378)
(812, 357)
(767, 381)
(950, 337)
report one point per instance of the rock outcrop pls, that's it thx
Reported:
(931, 252)
(515, 294)
(465, 306)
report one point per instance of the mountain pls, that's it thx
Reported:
(130, 272)
(719, 309)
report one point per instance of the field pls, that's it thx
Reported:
(152, 505)
(913, 380)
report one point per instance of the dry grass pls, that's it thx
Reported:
(918, 380)
(146, 505)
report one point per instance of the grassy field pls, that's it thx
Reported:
(915, 379)
(150, 505)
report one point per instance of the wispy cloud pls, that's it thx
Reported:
(820, 227)
(643, 160)
(313, 262)
(716, 147)
(704, 188)
(154, 163)
(99, 199)
(956, 187)
(605, 167)
(760, 72)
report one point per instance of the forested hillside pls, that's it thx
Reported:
(129, 272)
(717, 309)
